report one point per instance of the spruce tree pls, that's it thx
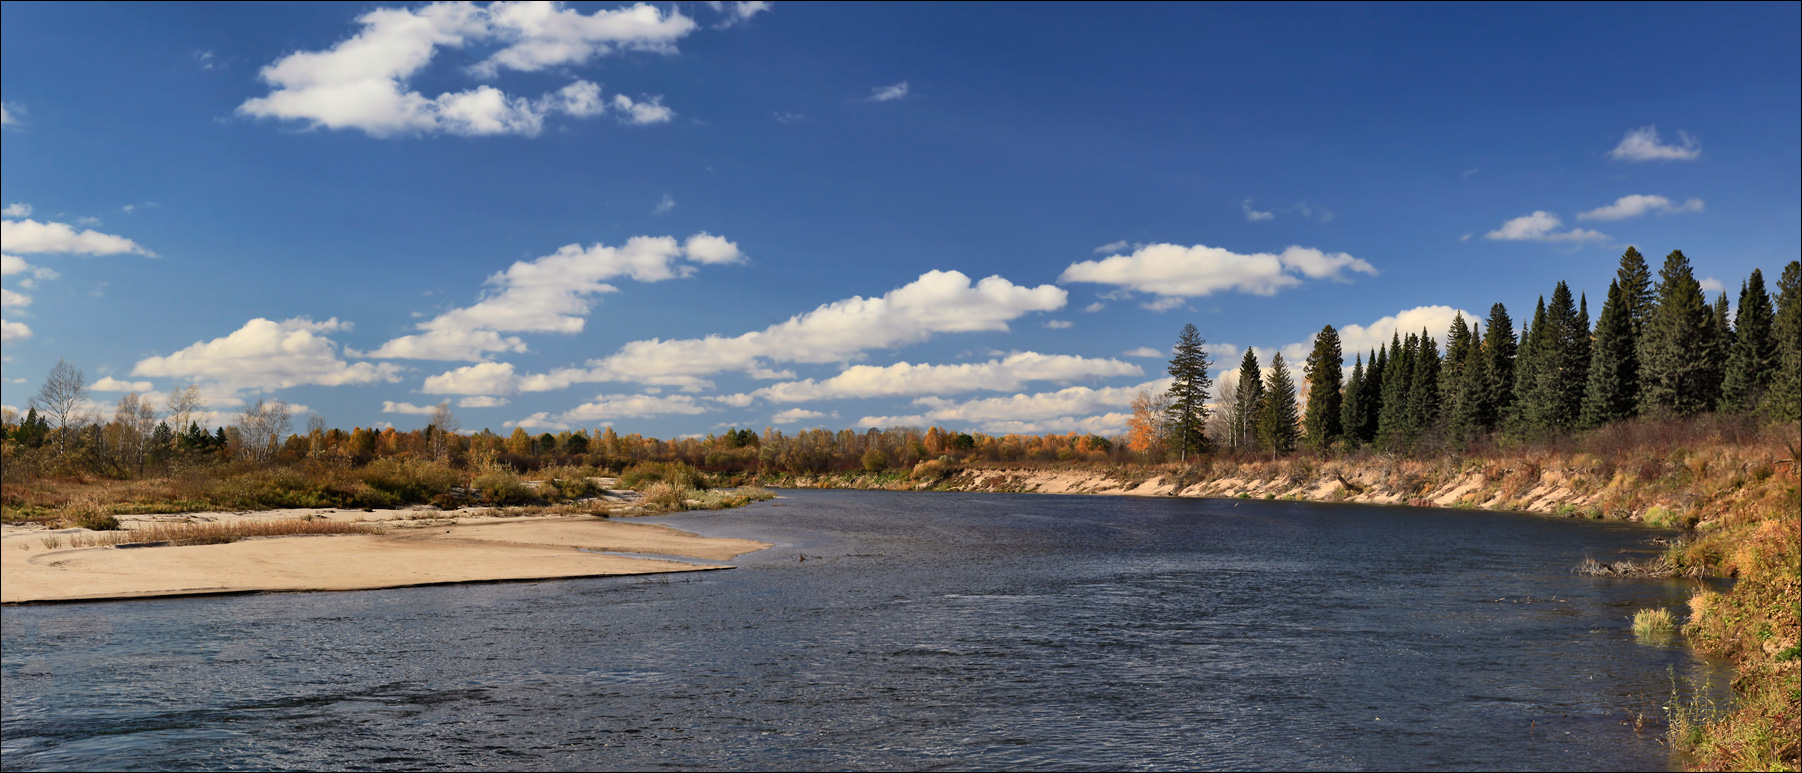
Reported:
(1460, 344)
(1276, 424)
(1325, 371)
(1718, 337)
(1471, 414)
(1373, 395)
(1786, 385)
(1752, 362)
(1248, 401)
(1499, 354)
(1608, 395)
(1637, 299)
(1423, 389)
(1351, 409)
(1188, 412)
(1392, 425)
(1528, 406)
(1674, 369)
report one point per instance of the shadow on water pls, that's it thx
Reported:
(897, 630)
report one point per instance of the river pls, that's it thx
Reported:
(906, 630)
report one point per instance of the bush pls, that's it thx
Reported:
(639, 477)
(667, 496)
(410, 480)
(933, 470)
(87, 514)
(569, 481)
(499, 485)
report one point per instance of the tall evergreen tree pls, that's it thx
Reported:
(1188, 413)
(1609, 394)
(1351, 409)
(1637, 298)
(1499, 354)
(1460, 345)
(1718, 336)
(1675, 375)
(1398, 375)
(1373, 395)
(1752, 362)
(1565, 363)
(1528, 368)
(1276, 425)
(1248, 401)
(1786, 386)
(1423, 389)
(1325, 371)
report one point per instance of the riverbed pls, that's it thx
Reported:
(907, 630)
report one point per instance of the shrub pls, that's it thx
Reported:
(499, 485)
(410, 480)
(667, 496)
(639, 477)
(933, 470)
(89, 515)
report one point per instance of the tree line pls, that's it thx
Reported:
(1658, 348)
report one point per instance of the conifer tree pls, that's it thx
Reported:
(1423, 388)
(1351, 409)
(1189, 395)
(1392, 425)
(1674, 374)
(1718, 338)
(1528, 367)
(1325, 371)
(1373, 395)
(1786, 386)
(1752, 362)
(1637, 298)
(1248, 401)
(1276, 424)
(1470, 413)
(1608, 395)
(1499, 354)
(1565, 362)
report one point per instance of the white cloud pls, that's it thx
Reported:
(13, 331)
(110, 384)
(389, 406)
(362, 83)
(1636, 205)
(269, 355)
(1112, 247)
(906, 379)
(739, 400)
(1359, 339)
(16, 210)
(10, 298)
(1541, 226)
(643, 113)
(539, 420)
(739, 12)
(610, 407)
(937, 302)
(888, 93)
(1175, 271)
(481, 402)
(793, 415)
(1313, 212)
(1074, 408)
(552, 294)
(1642, 144)
(1059, 324)
(483, 378)
(664, 205)
(1143, 351)
(1164, 304)
(1094, 307)
(33, 236)
(1255, 215)
(9, 114)
(1712, 285)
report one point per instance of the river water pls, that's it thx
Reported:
(906, 630)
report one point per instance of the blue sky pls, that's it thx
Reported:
(674, 219)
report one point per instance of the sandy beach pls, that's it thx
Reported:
(414, 547)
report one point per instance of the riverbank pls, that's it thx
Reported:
(378, 549)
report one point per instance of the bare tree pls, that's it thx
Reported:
(442, 425)
(1224, 422)
(315, 435)
(62, 401)
(135, 420)
(184, 407)
(260, 429)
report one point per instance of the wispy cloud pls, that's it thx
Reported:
(888, 93)
(1174, 271)
(664, 205)
(1636, 205)
(1255, 215)
(1541, 226)
(1643, 144)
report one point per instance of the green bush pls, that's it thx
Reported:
(499, 485)
(410, 480)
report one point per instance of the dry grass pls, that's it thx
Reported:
(218, 533)
(1653, 622)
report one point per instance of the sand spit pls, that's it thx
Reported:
(415, 547)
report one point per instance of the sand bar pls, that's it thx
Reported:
(414, 548)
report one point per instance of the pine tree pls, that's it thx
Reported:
(1563, 364)
(1499, 354)
(1752, 363)
(1717, 347)
(1248, 401)
(1608, 395)
(1786, 385)
(1351, 409)
(1325, 371)
(1276, 424)
(1392, 425)
(1460, 342)
(1189, 394)
(1674, 374)
(1528, 369)
(1471, 413)
(1373, 395)
(1637, 298)
(1423, 389)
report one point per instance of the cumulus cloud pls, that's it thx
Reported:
(1541, 226)
(888, 93)
(539, 420)
(32, 236)
(906, 379)
(1143, 351)
(483, 378)
(937, 302)
(10, 298)
(1112, 247)
(611, 407)
(739, 12)
(1643, 144)
(1175, 271)
(552, 294)
(389, 406)
(13, 331)
(268, 355)
(1357, 339)
(1636, 205)
(481, 402)
(1712, 285)
(1255, 215)
(793, 415)
(16, 210)
(363, 82)
(110, 384)
(648, 111)
(1059, 324)
(1078, 408)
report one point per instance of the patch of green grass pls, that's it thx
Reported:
(1653, 622)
